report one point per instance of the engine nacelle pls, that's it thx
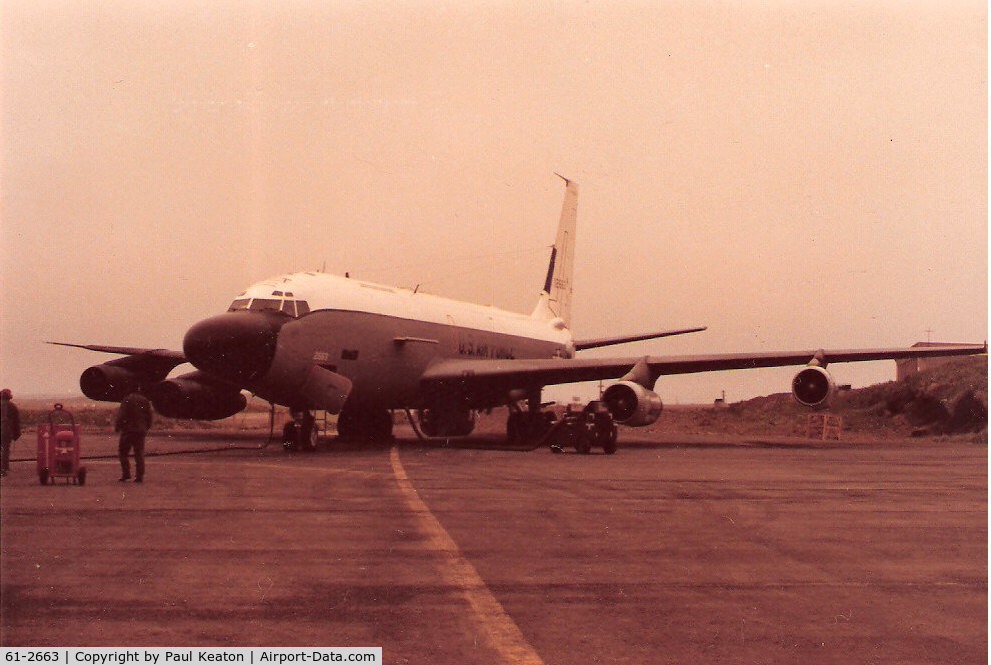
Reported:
(193, 396)
(446, 422)
(113, 381)
(632, 404)
(813, 387)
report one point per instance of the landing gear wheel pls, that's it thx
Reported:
(370, 425)
(290, 437)
(43, 476)
(347, 425)
(81, 476)
(379, 425)
(306, 435)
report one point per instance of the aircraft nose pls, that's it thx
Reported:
(239, 346)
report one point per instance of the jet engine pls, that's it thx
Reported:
(113, 381)
(813, 387)
(446, 422)
(196, 397)
(632, 404)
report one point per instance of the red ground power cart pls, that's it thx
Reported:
(58, 449)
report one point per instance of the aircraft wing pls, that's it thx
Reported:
(152, 360)
(478, 376)
(128, 351)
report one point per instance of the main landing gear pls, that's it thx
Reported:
(528, 426)
(356, 424)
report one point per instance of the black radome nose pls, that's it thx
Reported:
(238, 346)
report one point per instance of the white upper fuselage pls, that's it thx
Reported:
(322, 291)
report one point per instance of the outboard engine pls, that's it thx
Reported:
(813, 387)
(113, 381)
(196, 397)
(632, 404)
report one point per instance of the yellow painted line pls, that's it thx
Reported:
(499, 629)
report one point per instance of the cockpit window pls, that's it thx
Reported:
(291, 307)
(266, 305)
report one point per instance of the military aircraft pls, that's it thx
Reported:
(315, 341)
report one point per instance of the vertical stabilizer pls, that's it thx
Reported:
(555, 299)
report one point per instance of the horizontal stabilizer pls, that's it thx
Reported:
(610, 341)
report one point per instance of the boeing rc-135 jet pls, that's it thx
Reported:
(313, 341)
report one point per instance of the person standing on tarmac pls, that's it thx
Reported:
(133, 422)
(10, 428)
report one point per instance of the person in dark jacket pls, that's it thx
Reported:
(10, 428)
(133, 422)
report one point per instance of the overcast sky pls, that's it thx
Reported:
(791, 174)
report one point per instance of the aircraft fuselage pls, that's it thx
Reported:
(380, 338)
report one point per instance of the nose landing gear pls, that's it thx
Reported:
(301, 432)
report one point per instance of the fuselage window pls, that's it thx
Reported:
(240, 303)
(302, 308)
(265, 305)
(289, 307)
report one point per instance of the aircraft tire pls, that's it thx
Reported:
(348, 425)
(289, 437)
(308, 440)
(378, 425)
(370, 425)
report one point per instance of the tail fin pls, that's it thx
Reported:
(555, 299)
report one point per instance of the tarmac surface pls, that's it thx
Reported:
(674, 550)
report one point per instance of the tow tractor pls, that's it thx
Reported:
(584, 429)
